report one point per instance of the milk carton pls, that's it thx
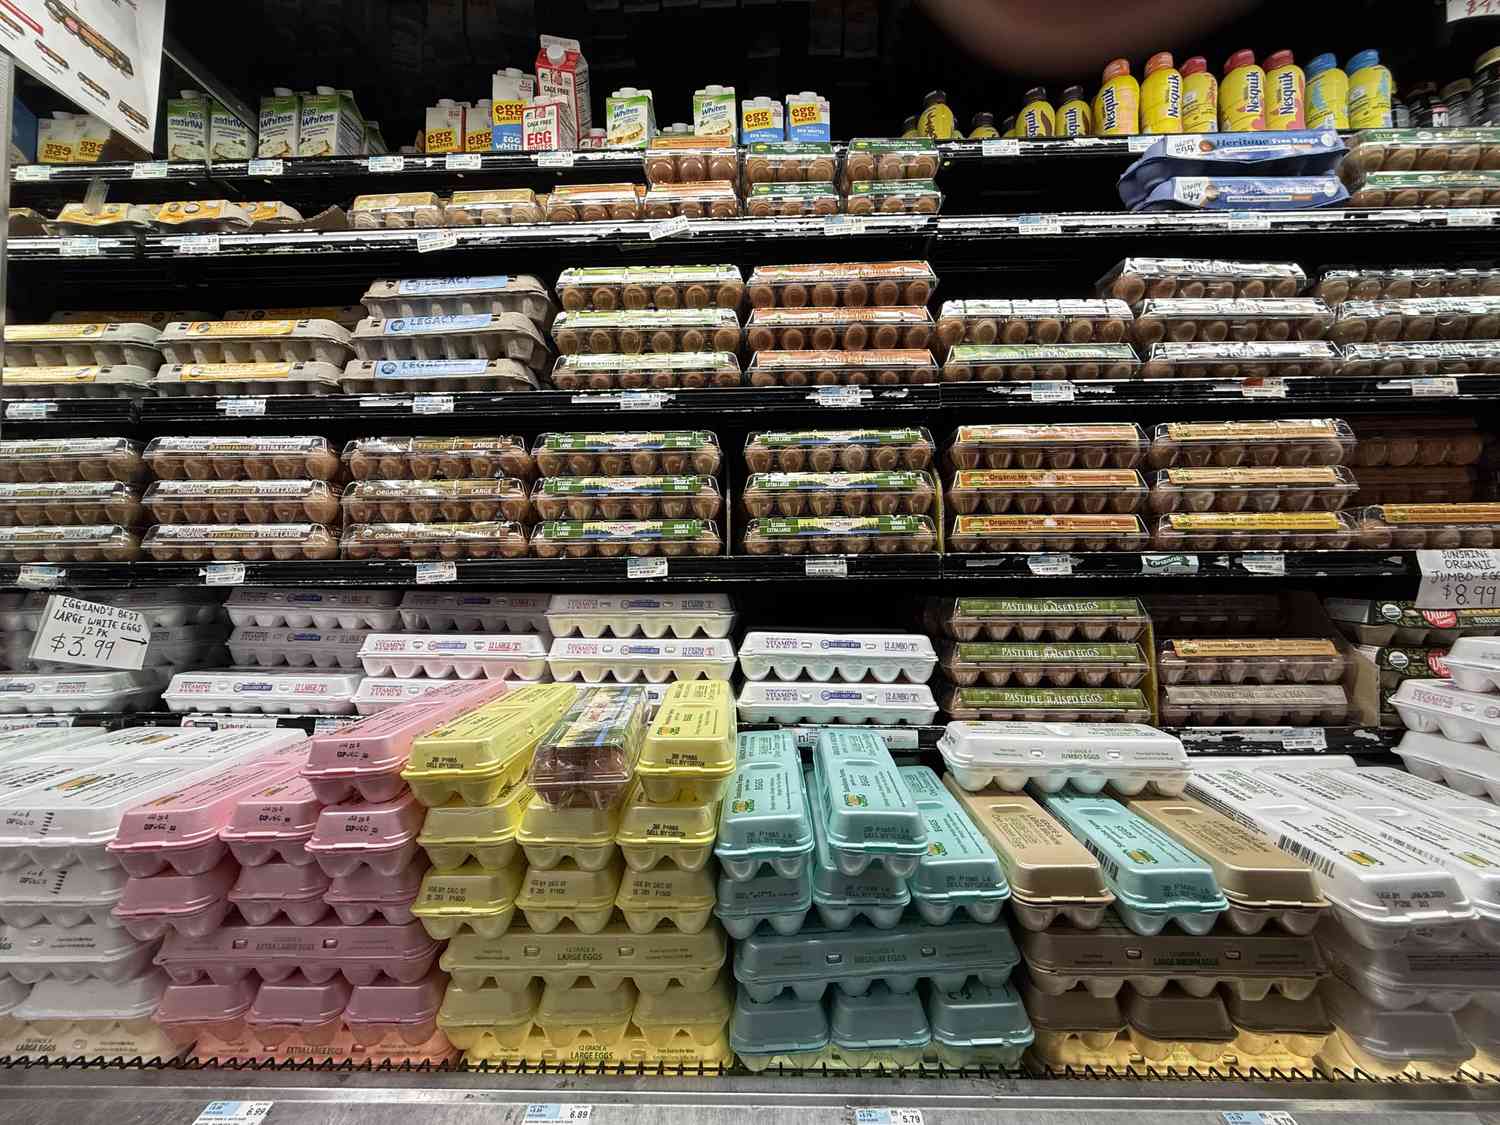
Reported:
(510, 90)
(713, 113)
(445, 127)
(57, 139)
(547, 123)
(280, 125)
(331, 124)
(229, 138)
(761, 119)
(629, 118)
(561, 72)
(187, 126)
(478, 126)
(807, 118)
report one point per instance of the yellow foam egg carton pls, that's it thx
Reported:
(567, 892)
(567, 1016)
(471, 1016)
(456, 833)
(689, 752)
(579, 834)
(632, 1050)
(679, 1018)
(653, 832)
(668, 894)
(471, 898)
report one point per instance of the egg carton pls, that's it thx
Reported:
(257, 378)
(669, 452)
(1032, 491)
(82, 502)
(1398, 980)
(480, 539)
(1401, 359)
(594, 203)
(1432, 526)
(1129, 759)
(1024, 363)
(73, 954)
(661, 331)
(847, 284)
(501, 207)
(706, 199)
(857, 535)
(823, 451)
(241, 458)
(654, 616)
(789, 161)
(466, 611)
(83, 345)
(1373, 283)
(87, 543)
(260, 690)
(1312, 660)
(1315, 488)
(456, 458)
(1088, 445)
(1263, 359)
(234, 502)
(1422, 443)
(216, 342)
(1437, 706)
(1401, 149)
(658, 370)
(378, 693)
(894, 159)
(492, 336)
(975, 534)
(801, 702)
(1405, 1045)
(893, 197)
(460, 296)
(626, 661)
(378, 376)
(577, 539)
(420, 501)
(398, 211)
(1317, 441)
(109, 382)
(1133, 280)
(640, 498)
(304, 608)
(894, 367)
(296, 648)
(195, 542)
(454, 655)
(170, 902)
(1033, 664)
(885, 657)
(319, 952)
(93, 459)
(849, 329)
(792, 200)
(641, 287)
(77, 895)
(1032, 322)
(1417, 318)
(895, 492)
(1185, 320)
(690, 159)
(1269, 531)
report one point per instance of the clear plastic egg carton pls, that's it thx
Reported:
(437, 458)
(175, 380)
(605, 289)
(893, 197)
(847, 329)
(1313, 488)
(104, 542)
(1427, 189)
(1417, 318)
(613, 498)
(37, 461)
(792, 200)
(1430, 526)
(482, 335)
(1366, 283)
(302, 608)
(1264, 359)
(500, 207)
(801, 702)
(1400, 150)
(1256, 705)
(846, 284)
(705, 199)
(421, 501)
(397, 211)
(838, 368)
(296, 648)
(45, 692)
(1047, 705)
(83, 502)
(1038, 619)
(249, 542)
(1222, 615)
(848, 535)
(581, 539)
(976, 534)
(583, 454)
(768, 162)
(76, 382)
(1184, 320)
(845, 451)
(1420, 358)
(853, 657)
(375, 376)
(444, 656)
(1293, 442)
(1134, 280)
(1258, 531)
(684, 616)
(659, 370)
(460, 296)
(1436, 484)
(1402, 442)
(1033, 322)
(83, 345)
(255, 342)
(690, 159)
(905, 158)
(633, 331)
(263, 690)
(241, 459)
(631, 660)
(1312, 660)
(898, 492)
(1035, 663)
(280, 501)
(1023, 363)
(1098, 445)
(468, 611)
(594, 203)
(479, 539)
(1056, 492)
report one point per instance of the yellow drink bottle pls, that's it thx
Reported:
(983, 127)
(1286, 93)
(937, 119)
(1161, 96)
(1037, 118)
(1074, 118)
(909, 127)
(1369, 92)
(1242, 95)
(1327, 94)
(1200, 97)
(1118, 112)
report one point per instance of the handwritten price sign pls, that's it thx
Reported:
(91, 633)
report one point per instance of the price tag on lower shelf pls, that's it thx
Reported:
(642, 400)
(463, 161)
(242, 407)
(387, 162)
(1139, 143)
(74, 631)
(840, 396)
(380, 402)
(1304, 738)
(670, 228)
(327, 724)
(78, 246)
(1047, 390)
(35, 577)
(1049, 565)
(223, 574)
(1479, 217)
(1249, 220)
(33, 173)
(1263, 388)
(557, 1111)
(1268, 564)
(1438, 386)
(1169, 564)
(28, 411)
(1038, 224)
(1460, 579)
(844, 224)
(429, 573)
(645, 568)
(883, 1116)
(432, 404)
(1000, 146)
(266, 168)
(430, 240)
(835, 567)
(198, 244)
(559, 159)
(149, 170)
(233, 1113)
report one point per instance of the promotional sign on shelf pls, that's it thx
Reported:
(103, 54)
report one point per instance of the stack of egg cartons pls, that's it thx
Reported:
(1453, 725)
(650, 639)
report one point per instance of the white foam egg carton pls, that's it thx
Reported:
(179, 646)
(633, 659)
(162, 609)
(810, 702)
(76, 895)
(46, 692)
(1399, 979)
(250, 646)
(684, 616)
(240, 690)
(376, 610)
(1439, 706)
(1463, 766)
(473, 611)
(72, 954)
(884, 657)
(1474, 663)
(21, 610)
(1128, 758)
(54, 1004)
(376, 693)
(464, 656)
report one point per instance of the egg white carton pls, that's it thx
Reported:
(473, 611)
(73, 954)
(478, 336)
(263, 690)
(1128, 758)
(884, 657)
(74, 896)
(650, 615)
(464, 656)
(628, 661)
(1437, 706)
(1462, 766)
(809, 702)
(375, 610)
(296, 648)
(162, 609)
(46, 692)
(1474, 664)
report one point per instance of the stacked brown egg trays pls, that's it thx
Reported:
(1230, 359)
(647, 370)
(438, 458)
(1417, 318)
(1026, 363)
(842, 284)
(835, 367)
(1049, 446)
(1363, 283)
(650, 287)
(1422, 358)
(1033, 322)
(696, 177)
(1252, 681)
(1401, 442)
(1185, 319)
(593, 203)
(633, 331)
(74, 500)
(848, 329)
(1134, 280)
(1305, 488)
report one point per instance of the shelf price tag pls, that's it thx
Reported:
(1272, 565)
(1046, 566)
(233, 1113)
(1460, 579)
(223, 574)
(642, 400)
(840, 396)
(242, 407)
(149, 170)
(1304, 738)
(266, 167)
(1438, 386)
(430, 240)
(562, 158)
(1169, 564)
(33, 173)
(1478, 217)
(670, 228)
(556, 1111)
(38, 577)
(646, 568)
(28, 411)
(836, 566)
(1140, 142)
(1038, 224)
(1048, 390)
(1249, 220)
(884, 1116)
(327, 724)
(844, 224)
(78, 246)
(463, 161)
(431, 572)
(198, 244)
(432, 404)
(1000, 146)
(74, 631)
(1256, 387)
(386, 162)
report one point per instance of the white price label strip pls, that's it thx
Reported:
(463, 162)
(835, 567)
(386, 163)
(32, 173)
(266, 168)
(198, 244)
(645, 568)
(839, 396)
(1249, 220)
(554, 159)
(883, 1116)
(428, 241)
(28, 411)
(1267, 564)
(1478, 218)
(431, 572)
(1462, 579)
(1169, 564)
(1139, 143)
(149, 170)
(557, 1111)
(233, 1113)
(90, 633)
(224, 574)
(1000, 146)
(35, 577)
(78, 246)
(242, 407)
(1263, 388)
(1051, 391)
(1048, 565)
(1038, 224)
(432, 404)
(1305, 738)
(1438, 386)
(641, 400)
(844, 224)
(670, 228)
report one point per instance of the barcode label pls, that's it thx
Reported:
(1110, 865)
(1298, 850)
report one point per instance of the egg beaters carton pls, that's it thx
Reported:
(807, 118)
(562, 72)
(445, 127)
(762, 119)
(510, 90)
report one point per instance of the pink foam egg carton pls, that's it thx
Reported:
(190, 1012)
(297, 1006)
(181, 829)
(320, 952)
(366, 759)
(377, 834)
(186, 904)
(365, 893)
(389, 1011)
(245, 1051)
(274, 823)
(270, 889)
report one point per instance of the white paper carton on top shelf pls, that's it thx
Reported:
(714, 113)
(331, 124)
(229, 138)
(280, 125)
(263, 690)
(629, 118)
(562, 72)
(762, 119)
(477, 126)
(547, 126)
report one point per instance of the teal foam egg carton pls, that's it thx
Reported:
(763, 818)
(959, 871)
(867, 810)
